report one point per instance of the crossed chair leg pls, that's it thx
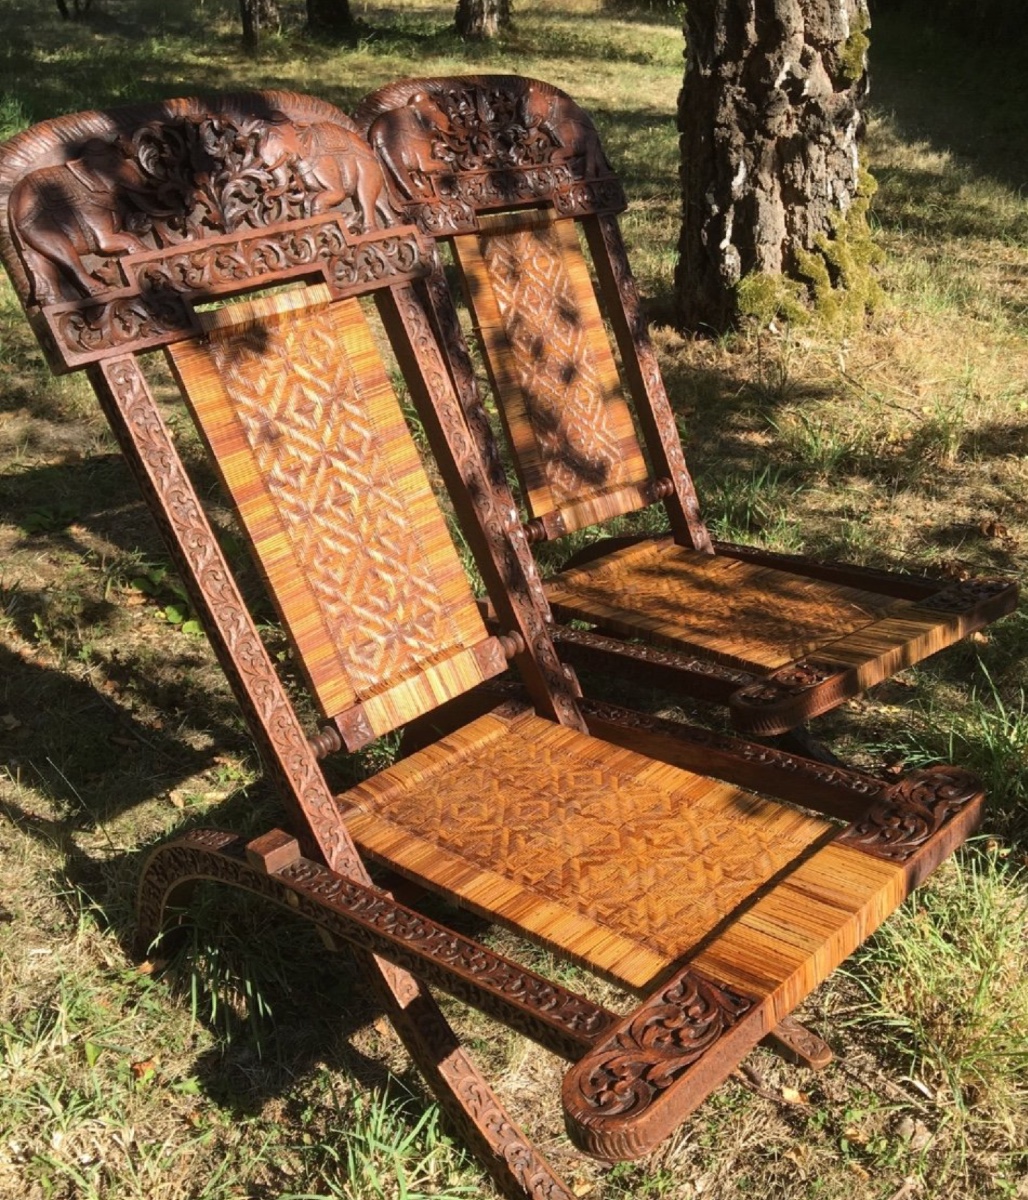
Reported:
(404, 952)
(633, 1078)
(388, 939)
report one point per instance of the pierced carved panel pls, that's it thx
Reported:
(458, 146)
(111, 222)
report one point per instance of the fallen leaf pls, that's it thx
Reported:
(993, 529)
(792, 1096)
(801, 1154)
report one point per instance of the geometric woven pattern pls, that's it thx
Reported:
(624, 863)
(737, 612)
(292, 396)
(561, 397)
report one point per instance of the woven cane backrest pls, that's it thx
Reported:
(509, 170)
(118, 230)
(294, 401)
(575, 446)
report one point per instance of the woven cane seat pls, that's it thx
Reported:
(626, 864)
(742, 613)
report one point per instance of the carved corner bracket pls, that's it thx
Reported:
(914, 811)
(630, 1092)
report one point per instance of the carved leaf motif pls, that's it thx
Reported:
(915, 809)
(649, 1052)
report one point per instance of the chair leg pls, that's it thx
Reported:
(799, 1045)
(801, 741)
(515, 1165)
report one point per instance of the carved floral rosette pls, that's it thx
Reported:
(112, 224)
(455, 147)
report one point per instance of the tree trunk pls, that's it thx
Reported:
(257, 16)
(477, 19)
(329, 16)
(769, 118)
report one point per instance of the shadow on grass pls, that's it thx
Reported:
(81, 743)
(958, 97)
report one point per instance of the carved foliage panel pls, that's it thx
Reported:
(454, 147)
(138, 180)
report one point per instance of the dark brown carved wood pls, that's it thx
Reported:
(359, 914)
(617, 1098)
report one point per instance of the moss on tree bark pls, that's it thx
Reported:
(774, 200)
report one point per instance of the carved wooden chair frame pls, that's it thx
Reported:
(480, 161)
(117, 229)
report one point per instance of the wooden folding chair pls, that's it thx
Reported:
(511, 174)
(716, 880)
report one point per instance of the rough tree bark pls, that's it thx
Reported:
(769, 121)
(477, 19)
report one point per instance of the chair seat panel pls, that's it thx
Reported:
(798, 933)
(742, 613)
(622, 862)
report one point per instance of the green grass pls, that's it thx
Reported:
(254, 1064)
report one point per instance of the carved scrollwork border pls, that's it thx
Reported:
(562, 1021)
(631, 1090)
(156, 308)
(807, 770)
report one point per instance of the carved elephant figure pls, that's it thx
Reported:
(334, 163)
(83, 206)
(571, 130)
(411, 141)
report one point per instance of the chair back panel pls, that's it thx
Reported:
(467, 154)
(575, 444)
(293, 399)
